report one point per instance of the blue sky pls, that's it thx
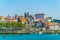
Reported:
(12, 7)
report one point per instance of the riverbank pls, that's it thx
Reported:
(51, 32)
(14, 33)
(30, 31)
(43, 32)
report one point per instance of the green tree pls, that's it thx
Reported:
(12, 24)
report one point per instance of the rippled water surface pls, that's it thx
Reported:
(29, 36)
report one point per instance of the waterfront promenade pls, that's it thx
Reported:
(29, 31)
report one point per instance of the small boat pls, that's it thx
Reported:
(40, 32)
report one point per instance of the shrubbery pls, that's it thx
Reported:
(12, 24)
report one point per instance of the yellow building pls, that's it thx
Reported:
(23, 20)
(52, 23)
(1, 18)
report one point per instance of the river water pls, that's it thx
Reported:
(29, 36)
